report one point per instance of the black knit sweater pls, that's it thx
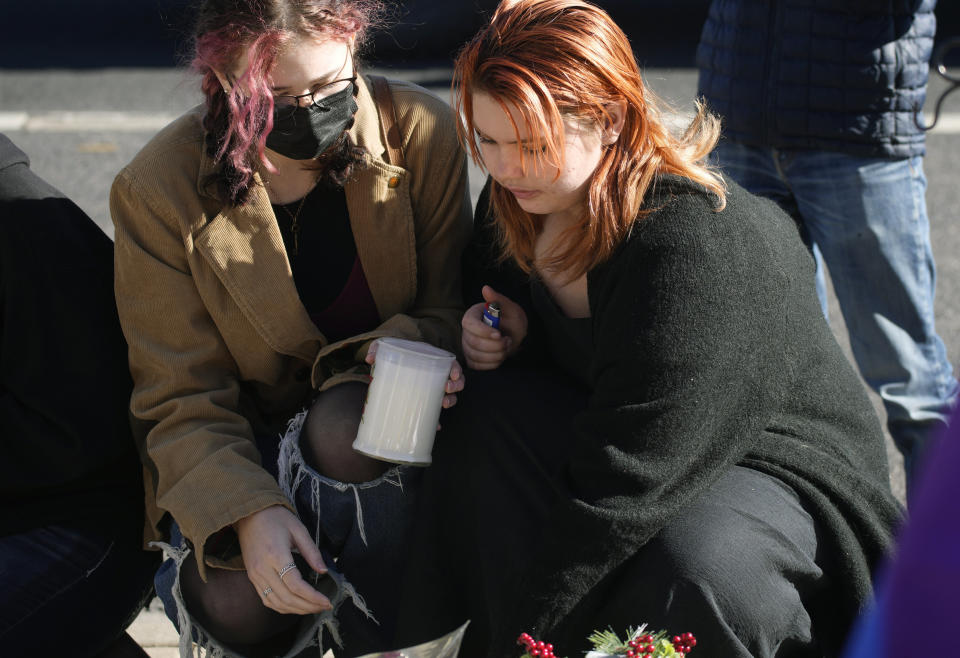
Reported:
(710, 350)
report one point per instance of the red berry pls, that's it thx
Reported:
(534, 652)
(631, 653)
(549, 648)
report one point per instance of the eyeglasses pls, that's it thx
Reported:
(286, 105)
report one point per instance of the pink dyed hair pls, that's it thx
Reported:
(238, 123)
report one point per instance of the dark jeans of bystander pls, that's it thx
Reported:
(71, 589)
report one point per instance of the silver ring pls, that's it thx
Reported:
(283, 572)
(267, 591)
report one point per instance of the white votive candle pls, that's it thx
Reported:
(400, 415)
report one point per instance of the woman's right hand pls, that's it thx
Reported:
(267, 538)
(484, 347)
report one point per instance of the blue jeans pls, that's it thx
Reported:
(866, 218)
(361, 531)
(71, 589)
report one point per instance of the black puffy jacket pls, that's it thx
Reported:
(840, 75)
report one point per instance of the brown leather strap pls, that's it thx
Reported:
(388, 120)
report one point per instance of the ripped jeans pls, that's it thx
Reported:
(361, 530)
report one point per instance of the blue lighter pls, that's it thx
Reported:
(491, 315)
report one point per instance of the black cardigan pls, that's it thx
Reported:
(710, 350)
(66, 452)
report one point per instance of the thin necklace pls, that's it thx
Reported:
(295, 218)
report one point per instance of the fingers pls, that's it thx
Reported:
(268, 539)
(278, 595)
(513, 319)
(473, 324)
(291, 593)
(456, 381)
(455, 384)
(456, 377)
(491, 295)
(302, 592)
(485, 353)
(294, 579)
(481, 341)
(507, 305)
(282, 598)
(371, 352)
(309, 550)
(483, 346)
(484, 359)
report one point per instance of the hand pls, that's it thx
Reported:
(484, 347)
(267, 538)
(454, 384)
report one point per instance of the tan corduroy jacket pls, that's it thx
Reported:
(221, 346)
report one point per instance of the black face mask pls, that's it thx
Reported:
(310, 130)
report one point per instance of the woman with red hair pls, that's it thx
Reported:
(662, 428)
(263, 241)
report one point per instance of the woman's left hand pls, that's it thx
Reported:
(267, 539)
(454, 385)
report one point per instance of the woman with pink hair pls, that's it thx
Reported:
(263, 241)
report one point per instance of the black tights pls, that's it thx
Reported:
(227, 605)
(229, 608)
(330, 429)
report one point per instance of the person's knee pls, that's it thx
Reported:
(328, 435)
(742, 571)
(227, 606)
(744, 604)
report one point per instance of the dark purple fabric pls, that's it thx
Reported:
(352, 312)
(325, 264)
(923, 585)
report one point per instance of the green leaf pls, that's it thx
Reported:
(606, 641)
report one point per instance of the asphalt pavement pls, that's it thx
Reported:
(80, 127)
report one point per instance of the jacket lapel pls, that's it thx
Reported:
(244, 249)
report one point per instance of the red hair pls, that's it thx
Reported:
(238, 122)
(557, 59)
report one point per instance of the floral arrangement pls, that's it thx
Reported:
(639, 643)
